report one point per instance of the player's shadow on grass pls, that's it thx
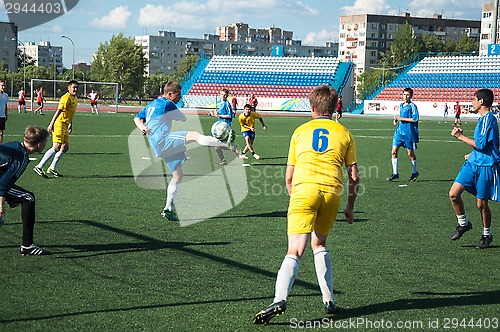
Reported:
(430, 301)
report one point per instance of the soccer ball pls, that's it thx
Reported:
(220, 130)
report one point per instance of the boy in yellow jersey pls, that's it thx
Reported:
(60, 126)
(247, 123)
(318, 150)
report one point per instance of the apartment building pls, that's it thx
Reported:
(8, 42)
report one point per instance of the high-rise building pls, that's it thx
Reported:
(44, 54)
(489, 28)
(364, 37)
(8, 42)
(165, 51)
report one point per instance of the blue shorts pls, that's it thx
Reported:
(402, 141)
(174, 149)
(250, 134)
(480, 181)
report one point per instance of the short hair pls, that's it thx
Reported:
(3, 81)
(172, 87)
(324, 99)
(486, 95)
(73, 82)
(248, 106)
(34, 135)
(224, 90)
(409, 90)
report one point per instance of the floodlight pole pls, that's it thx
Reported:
(72, 43)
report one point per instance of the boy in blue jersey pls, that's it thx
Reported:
(480, 174)
(155, 120)
(13, 162)
(406, 134)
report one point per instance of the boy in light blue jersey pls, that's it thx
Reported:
(225, 113)
(155, 120)
(406, 134)
(480, 174)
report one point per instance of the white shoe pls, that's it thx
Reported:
(256, 156)
(242, 156)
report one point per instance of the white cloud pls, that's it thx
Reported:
(180, 15)
(369, 7)
(320, 38)
(56, 28)
(116, 18)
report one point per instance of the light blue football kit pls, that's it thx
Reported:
(225, 109)
(171, 146)
(480, 174)
(406, 133)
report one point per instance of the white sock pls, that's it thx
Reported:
(286, 277)
(56, 159)
(172, 190)
(394, 166)
(414, 166)
(323, 265)
(210, 141)
(486, 231)
(463, 220)
(50, 152)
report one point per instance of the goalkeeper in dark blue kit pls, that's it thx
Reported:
(13, 162)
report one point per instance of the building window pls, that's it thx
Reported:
(361, 43)
(487, 14)
(374, 26)
(373, 53)
(383, 27)
(374, 35)
(374, 44)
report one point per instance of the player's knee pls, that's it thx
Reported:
(454, 196)
(482, 204)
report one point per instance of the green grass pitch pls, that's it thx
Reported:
(117, 266)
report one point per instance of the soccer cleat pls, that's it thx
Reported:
(242, 156)
(330, 308)
(54, 173)
(235, 148)
(275, 309)
(222, 163)
(393, 177)
(40, 172)
(256, 156)
(461, 230)
(170, 215)
(230, 139)
(413, 177)
(33, 250)
(485, 241)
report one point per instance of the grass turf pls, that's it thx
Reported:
(118, 266)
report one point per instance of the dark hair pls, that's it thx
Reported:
(323, 99)
(172, 87)
(73, 82)
(486, 95)
(248, 106)
(410, 90)
(34, 135)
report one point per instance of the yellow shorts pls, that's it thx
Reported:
(312, 209)
(60, 134)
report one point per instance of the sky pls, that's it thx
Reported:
(314, 22)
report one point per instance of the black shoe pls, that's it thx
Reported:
(330, 308)
(222, 163)
(33, 250)
(170, 215)
(413, 177)
(40, 172)
(485, 241)
(275, 309)
(461, 230)
(393, 177)
(54, 173)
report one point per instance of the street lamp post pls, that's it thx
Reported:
(24, 61)
(72, 43)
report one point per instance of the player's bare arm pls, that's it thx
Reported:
(352, 189)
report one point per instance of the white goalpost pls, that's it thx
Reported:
(58, 88)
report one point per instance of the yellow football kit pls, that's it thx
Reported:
(248, 120)
(318, 151)
(67, 104)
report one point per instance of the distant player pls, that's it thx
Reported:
(458, 111)
(13, 162)
(21, 100)
(4, 100)
(247, 123)
(318, 151)
(339, 109)
(406, 134)
(155, 120)
(40, 99)
(60, 126)
(253, 102)
(480, 174)
(94, 97)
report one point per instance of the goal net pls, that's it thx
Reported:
(54, 89)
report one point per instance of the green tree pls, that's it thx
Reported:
(404, 47)
(431, 43)
(154, 84)
(120, 60)
(467, 44)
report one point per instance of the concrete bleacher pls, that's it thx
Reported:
(282, 83)
(439, 80)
